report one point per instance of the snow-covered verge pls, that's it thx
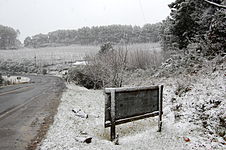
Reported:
(16, 79)
(194, 115)
(135, 135)
(195, 93)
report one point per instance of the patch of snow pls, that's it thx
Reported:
(16, 79)
(80, 63)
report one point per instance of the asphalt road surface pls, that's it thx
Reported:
(27, 110)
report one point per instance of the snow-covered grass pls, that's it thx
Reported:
(30, 60)
(135, 135)
(178, 123)
(191, 119)
(52, 55)
(49, 55)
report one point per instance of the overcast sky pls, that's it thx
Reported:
(42, 16)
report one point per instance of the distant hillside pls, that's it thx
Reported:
(97, 35)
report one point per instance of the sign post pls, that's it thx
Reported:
(124, 105)
(112, 114)
(160, 108)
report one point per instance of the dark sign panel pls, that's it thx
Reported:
(128, 104)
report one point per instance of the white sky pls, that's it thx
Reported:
(42, 16)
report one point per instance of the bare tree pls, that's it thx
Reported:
(108, 68)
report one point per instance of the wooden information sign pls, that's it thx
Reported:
(129, 104)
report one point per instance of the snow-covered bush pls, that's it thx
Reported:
(183, 86)
(10, 66)
(1, 79)
(106, 68)
(81, 76)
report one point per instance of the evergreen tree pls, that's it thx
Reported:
(199, 22)
(184, 25)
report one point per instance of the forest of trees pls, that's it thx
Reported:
(8, 38)
(202, 22)
(97, 35)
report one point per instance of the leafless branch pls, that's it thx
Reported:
(215, 4)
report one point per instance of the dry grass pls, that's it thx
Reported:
(143, 56)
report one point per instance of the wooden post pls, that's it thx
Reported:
(112, 114)
(160, 107)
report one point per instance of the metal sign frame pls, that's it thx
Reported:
(111, 117)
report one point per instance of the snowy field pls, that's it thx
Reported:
(48, 55)
(179, 131)
(53, 55)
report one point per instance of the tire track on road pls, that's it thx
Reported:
(12, 91)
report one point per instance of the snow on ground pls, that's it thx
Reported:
(193, 106)
(136, 135)
(140, 134)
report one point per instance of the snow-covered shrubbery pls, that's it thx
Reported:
(109, 67)
(103, 69)
(26, 66)
(1, 79)
(195, 91)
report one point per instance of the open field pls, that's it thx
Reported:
(48, 55)
(53, 55)
(29, 60)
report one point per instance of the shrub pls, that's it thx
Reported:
(105, 48)
(109, 66)
(81, 77)
(44, 71)
(15, 67)
(1, 79)
(183, 86)
(106, 68)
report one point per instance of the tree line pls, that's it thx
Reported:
(97, 35)
(201, 23)
(8, 38)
